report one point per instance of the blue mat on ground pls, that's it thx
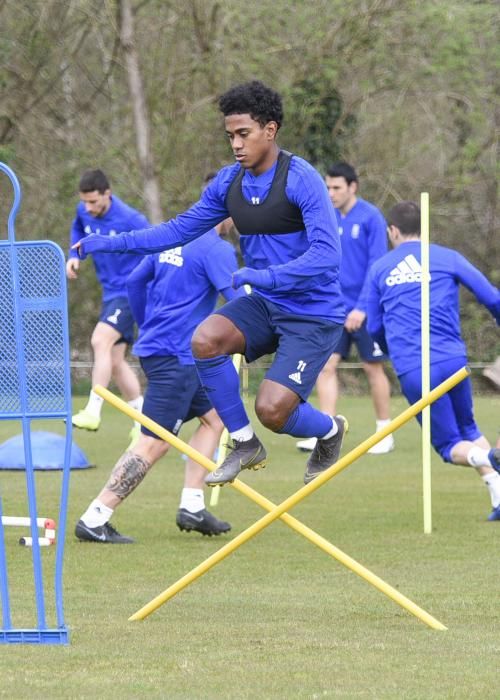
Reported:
(47, 452)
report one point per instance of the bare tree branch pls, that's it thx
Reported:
(142, 128)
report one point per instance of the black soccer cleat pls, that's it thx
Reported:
(326, 452)
(203, 521)
(105, 534)
(247, 454)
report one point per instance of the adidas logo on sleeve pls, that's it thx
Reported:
(408, 270)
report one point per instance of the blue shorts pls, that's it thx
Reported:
(452, 416)
(117, 314)
(173, 395)
(302, 344)
(368, 349)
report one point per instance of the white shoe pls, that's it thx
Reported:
(383, 447)
(306, 445)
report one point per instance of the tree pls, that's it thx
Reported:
(142, 127)
(406, 91)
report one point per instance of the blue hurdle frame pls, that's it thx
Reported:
(32, 397)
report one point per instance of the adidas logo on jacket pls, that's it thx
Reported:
(408, 270)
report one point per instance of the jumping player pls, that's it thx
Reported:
(291, 249)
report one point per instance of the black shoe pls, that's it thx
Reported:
(106, 534)
(326, 452)
(203, 521)
(249, 454)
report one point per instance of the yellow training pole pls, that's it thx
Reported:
(426, 360)
(268, 505)
(278, 511)
(221, 452)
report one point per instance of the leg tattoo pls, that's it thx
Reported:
(127, 474)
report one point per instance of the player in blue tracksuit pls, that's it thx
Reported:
(291, 248)
(101, 212)
(394, 320)
(170, 294)
(363, 235)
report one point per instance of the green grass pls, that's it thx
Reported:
(278, 618)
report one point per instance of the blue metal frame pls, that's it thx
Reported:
(31, 407)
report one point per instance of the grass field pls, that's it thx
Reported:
(279, 618)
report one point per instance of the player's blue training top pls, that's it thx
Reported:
(111, 270)
(304, 265)
(394, 300)
(171, 292)
(363, 235)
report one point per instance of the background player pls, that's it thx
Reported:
(102, 212)
(363, 235)
(394, 320)
(170, 293)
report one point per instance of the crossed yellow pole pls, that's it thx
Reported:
(279, 511)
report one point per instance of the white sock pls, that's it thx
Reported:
(333, 431)
(96, 514)
(192, 500)
(382, 423)
(492, 481)
(478, 457)
(243, 434)
(94, 404)
(137, 404)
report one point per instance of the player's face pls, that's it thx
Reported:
(96, 203)
(253, 145)
(342, 195)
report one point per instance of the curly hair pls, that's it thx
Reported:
(254, 98)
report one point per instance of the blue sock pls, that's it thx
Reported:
(222, 384)
(306, 421)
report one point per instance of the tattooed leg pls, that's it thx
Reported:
(127, 474)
